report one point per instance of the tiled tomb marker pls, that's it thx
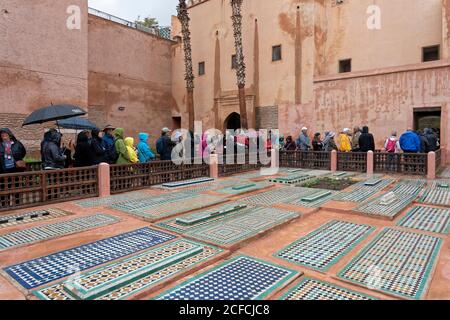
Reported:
(436, 194)
(133, 275)
(29, 217)
(293, 179)
(427, 219)
(40, 271)
(314, 290)
(95, 202)
(50, 231)
(396, 262)
(324, 247)
(242, 278)
(186, 183)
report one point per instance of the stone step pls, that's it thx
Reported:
(245, 186)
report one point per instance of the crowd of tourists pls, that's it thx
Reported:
(112, 146)
(361, 140)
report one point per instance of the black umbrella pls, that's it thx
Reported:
(76, 124)
(53, 113)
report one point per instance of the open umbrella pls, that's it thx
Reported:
(53, 113)
(76, 123)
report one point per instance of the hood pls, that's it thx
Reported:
(13, 138)
(143, 137)
(365, 130)
(428, 131)
(82, 137)
(129, 142)
(119, 133)
(54, 137)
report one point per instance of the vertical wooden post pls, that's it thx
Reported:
(370, 163)
(334, 161)
(431, 171)
(104, 182)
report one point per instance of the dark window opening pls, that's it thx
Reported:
(345, 66)
(233, 62)
(276, 53)
(201, 68)
(430, 54)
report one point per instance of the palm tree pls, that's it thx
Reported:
(183, 16)
(236, 6)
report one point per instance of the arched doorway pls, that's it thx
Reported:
(233, 122)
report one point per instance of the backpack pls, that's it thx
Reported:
(391, 145)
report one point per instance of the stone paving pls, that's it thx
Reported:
(60, 254)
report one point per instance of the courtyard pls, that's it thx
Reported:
(240, 237)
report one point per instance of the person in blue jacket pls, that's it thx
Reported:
(145, 153)
(410, 142)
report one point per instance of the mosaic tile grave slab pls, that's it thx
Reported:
(185, 183)
(40, 271)
(311, 198)
(132, 276)
(107, 201)
(357, 195)
(377, 183)
(276, 196)
(396, 262)
(165, 206)
(312, 290)
(235, 226)
(244, 187)
(242, 278)
(409, 187)
(30, 217)
(50, 231)
(438, 193)
(388, 205)
(324, 247)
(292, 179)
(427, 219)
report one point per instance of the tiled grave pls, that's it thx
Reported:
(342, 175)
(133, 275)
(360, 194)
(107, 201)
(292, 179)
(324, 247)
(242, 278)
(427, 219)
(30, 217)
(244, 187)
(40, 271)
(396, 262)
(313, 289)
(185, 183)
(276, 196)
(55, 230)
(388, 205)
(438, 193)
(166, 206)
(376, 183)
(409, 187)
(311, 198)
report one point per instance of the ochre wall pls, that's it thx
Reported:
(131, 69)
(41, 61)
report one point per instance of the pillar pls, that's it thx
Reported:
(334, 161)
(104, 182)
(275, 159)
(431, 171)
(214, 166)
(370, 163)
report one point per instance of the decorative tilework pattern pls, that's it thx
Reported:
(357, 195)
(276, 196)
(60, 229)
(313, 289)
(40, 271)
(324, 247)
(395, 262)
(29, 217)
(377, 208)
(375, 183)
(127, 278)
(311, 198)
(107, 201)
(409, 187)
(242, 278)
(427, 219)
(244, 187)
(185, 183)
(292, 179)
(438, 193)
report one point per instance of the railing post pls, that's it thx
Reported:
(214, 166)
(431, 170)
(370, 163)
(334, 161)
(104, 180)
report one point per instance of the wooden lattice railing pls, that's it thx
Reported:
(305, 160)
(138, 176)
(405, 163)
(352, 161)
(234, 164)
(30, 189)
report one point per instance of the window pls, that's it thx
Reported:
(276, 53)
(233, 62)
(345, 66)
(430, 54)
(201, 68)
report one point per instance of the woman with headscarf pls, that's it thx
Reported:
(290, 144)
(328, 143)
(12, 153)
(317, 142)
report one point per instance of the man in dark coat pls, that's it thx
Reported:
(366, 141)
(98, 152)
(12, 152)
(83, 152)
(432, 140)
(164, 145)
(52, 156)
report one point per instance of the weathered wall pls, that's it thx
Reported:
(130, 69)
(41, 60)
